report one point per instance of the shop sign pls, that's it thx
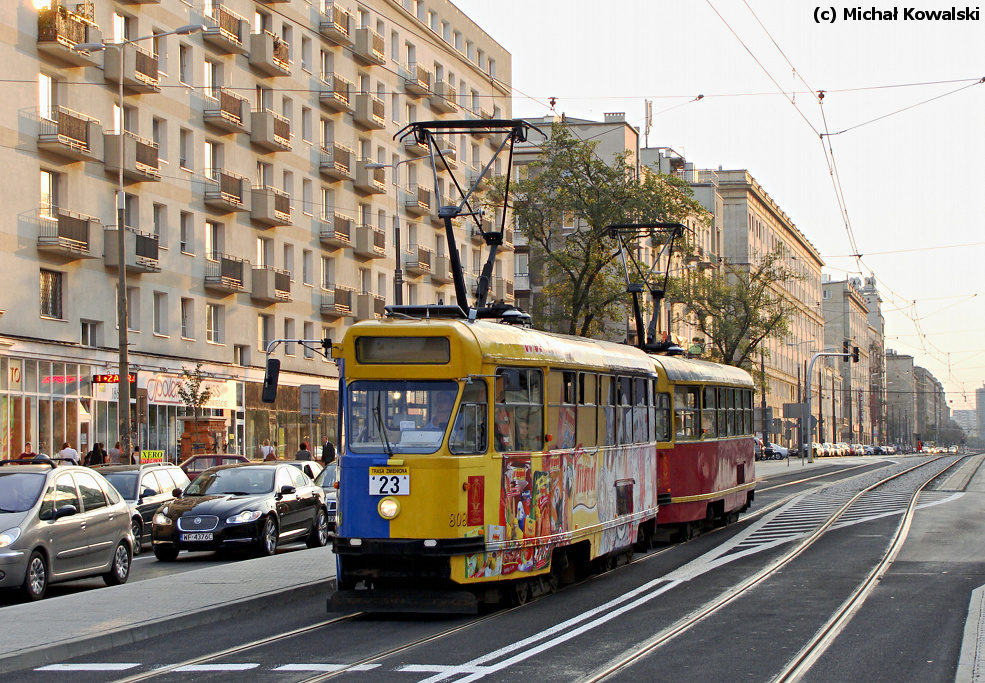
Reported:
(151, 456)
(163, 389)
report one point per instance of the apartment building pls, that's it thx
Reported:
(846, 322)
(263, 191)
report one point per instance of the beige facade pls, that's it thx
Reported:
(846, 322)
(250, 213)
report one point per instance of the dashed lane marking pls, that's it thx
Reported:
(90, 666)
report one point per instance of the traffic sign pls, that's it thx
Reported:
(310, 400)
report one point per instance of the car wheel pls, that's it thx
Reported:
(36, 579)
(267, 543)
(319, 532)
(137, 529)
(166, 554)
(120, 571)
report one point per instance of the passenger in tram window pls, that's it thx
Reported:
(504, 428)
(441, 411)
(528, 436)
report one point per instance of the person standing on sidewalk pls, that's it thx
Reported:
(267, 451)
(303, 453)
(69, 453)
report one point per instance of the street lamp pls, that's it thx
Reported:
(398, 273)
(123, 401)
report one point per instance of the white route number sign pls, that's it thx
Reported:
(389, 481)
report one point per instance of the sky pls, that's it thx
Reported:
(886, 165)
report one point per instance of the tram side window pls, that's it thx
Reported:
(468, 435)
(747, 404)
(733, 412)
(640, 396)
(587, 409)
(662, 417)
(708, 422)
(624, 409)
(519, 410)
(564, 413)
(722, 396)
(607, 402)
(687, 418)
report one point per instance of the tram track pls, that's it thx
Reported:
(813, 650)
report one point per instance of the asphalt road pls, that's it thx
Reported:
(910, 629)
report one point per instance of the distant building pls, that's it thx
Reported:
(901, 399)
(846, 325)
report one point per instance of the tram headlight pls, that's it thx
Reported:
(389, 508)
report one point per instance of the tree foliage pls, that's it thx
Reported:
(570, 185)
(738, 306)
(191, 391)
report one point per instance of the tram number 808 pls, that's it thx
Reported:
(389, 481)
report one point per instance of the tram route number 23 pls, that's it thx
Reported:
(389, 481)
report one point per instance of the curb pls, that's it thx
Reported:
(45, 654)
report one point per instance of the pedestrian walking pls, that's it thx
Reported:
(97, 456)
(69, 453)
(28, 453)
(114, 455)
(267, 451)
(135, 456)
(327, 453)
(303, 453)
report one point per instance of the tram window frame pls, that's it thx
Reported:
(662, 421)
(607, 410)
(521, 397)
(747, 410)
(624, 409)
(469, 432)
(722, 411)
(733, 421)
(588, 408)
(562, 406)
(709, 408)
(640, 413)
(687, 413)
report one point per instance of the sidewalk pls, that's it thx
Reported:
(766, 468)
(83, 623)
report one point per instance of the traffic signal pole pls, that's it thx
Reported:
(805, 421)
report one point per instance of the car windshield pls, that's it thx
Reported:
(326, 477)
(124, 482)
(19, 491)
(240, 480)
(402, 416)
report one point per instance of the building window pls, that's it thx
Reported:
(90, 333)
(327, 273)
(133, 309)
(213, 323)
(309, 333)
(161, 225)
(289, 334)
(241, 354)
(49, 193)
(184, 64)
(185, 239)
(46, 97)
(265, 330)
(51, 294)
(307, 261)
(185, 149)
(187, 319)
(159, 134)
(213, 240)
(161, 313)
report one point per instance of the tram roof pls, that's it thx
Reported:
(694, 370)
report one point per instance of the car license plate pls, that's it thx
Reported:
(202, 536)
(389, 481)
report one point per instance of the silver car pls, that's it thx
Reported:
(60, 524)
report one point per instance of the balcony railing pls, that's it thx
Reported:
(336, 301)
(65, 232)
(225, 30)
(418, 200)
(270, 54)
(270, 130)
(417, 79)
(270, 205)
(336, 162)
(370, 111)
(140, 156)
(226, 190)
(141, 249)
(336, 92)
(140, 68)
(417, 260)
(443, 97)
(225, 110)
(60, 30)
(271, 284)
(334, 23)
(370, 306)
(225, 273)
(370, 242)
(521, 282)
(67, 133)
(336, 230)
(369, 180)
(369, 47)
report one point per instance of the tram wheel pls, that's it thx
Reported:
(521, 592)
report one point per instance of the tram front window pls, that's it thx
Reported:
(400, 416)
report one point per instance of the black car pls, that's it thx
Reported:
(326, 479)
(251, 506)
(145, 488)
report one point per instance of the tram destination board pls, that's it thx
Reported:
(389, 481)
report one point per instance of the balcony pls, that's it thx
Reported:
(369, 180)
(449, 152)
(417, 79)
(271, 285)
(269, 54)
(418, 200)
(141, 250)
(226, 111)
(369, 111)
(140, 68)
(270, 206)
(334, 24)
(336, 93)
(443, 97)
(66, 233)
(503, 289)
(507, 239)
(59, 30)
(225, 273)
(270, 131)
(140, 162)
(226, 31)
(336, 302)
(521, 282)
(370, 242)
(476, 234)
(336, 230)
(70, 135)
(370, 306)
(413, 148)
(441, 273)
(477, 178)
(417, 260)
(226, 191)
(336, 162)
(369, 47)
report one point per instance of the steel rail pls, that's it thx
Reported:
(715, 605)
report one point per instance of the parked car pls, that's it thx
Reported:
(145, 488)
(310, 467)
(326, 479)
(59, 523)
(196, 464)
(779, 452)
(252, 506)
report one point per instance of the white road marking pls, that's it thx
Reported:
(192, 668)
(327, 667)
(90, 666)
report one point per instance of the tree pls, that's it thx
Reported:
(562, 203)
(194, 395)
(738, 306)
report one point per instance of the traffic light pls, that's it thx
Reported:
(855, 354)
(269, 394)
(846, 351)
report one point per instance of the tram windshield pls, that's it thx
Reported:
(398, 416)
